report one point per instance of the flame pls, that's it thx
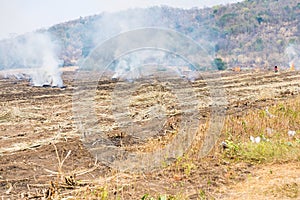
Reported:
(236, 69)
(292, 66)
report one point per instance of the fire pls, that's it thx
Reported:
(292, 66)
(236, 69)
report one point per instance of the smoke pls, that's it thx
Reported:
(293, 55)
(112, 24)
(34, 54)
(141, 63)
(132, 66)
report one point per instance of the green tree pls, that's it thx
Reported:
(219, 64)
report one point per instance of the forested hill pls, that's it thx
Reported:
(253, 33)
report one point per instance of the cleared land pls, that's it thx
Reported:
(41, 149)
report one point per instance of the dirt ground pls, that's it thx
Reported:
(279, 181)
(37, 132)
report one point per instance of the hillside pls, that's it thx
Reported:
(253, 33)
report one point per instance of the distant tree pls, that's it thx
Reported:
(87, 46)
(259, 19)
(258, 44)
(219, 64)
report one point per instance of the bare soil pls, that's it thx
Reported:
(37, 127)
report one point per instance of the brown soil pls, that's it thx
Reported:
(35, 121)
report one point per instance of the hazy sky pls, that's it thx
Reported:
(21, 16)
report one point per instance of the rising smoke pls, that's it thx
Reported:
(141, 63)
(131, 66)
(293, 55)
(33, 54)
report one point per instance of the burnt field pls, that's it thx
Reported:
(41, 149)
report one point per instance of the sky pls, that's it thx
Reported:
(22, 16)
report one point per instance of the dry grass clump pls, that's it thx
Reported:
(285, 190)
(16, 114)
(278, 129)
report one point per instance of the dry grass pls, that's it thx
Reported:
(176, 181)
(276, 147)
(271, 125)
(286, 190)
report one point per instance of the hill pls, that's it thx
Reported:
(252, 33)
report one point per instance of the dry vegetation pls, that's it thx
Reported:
(42, 156)
(276, 144)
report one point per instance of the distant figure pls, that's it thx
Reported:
(276, 69)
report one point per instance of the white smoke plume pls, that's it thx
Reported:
(34, 54)
(132, 66)
(141, 63)
(293, 54)
(112, 24)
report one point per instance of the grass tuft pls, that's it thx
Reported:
(272, 125)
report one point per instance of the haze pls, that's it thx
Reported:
(19, 16)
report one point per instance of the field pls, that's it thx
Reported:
(42, 155)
